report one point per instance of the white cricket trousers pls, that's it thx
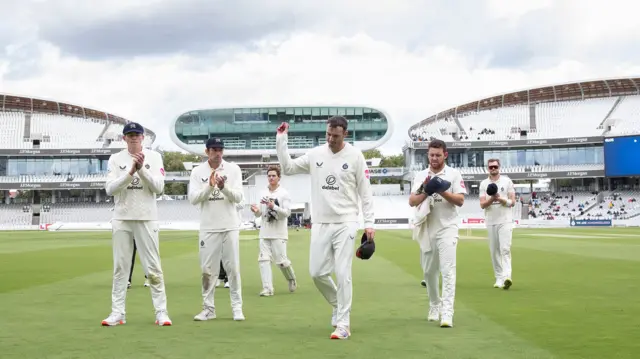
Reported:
(441, 260)
(273, 250)
(214, 247)
(500, 249)
(145, 234)
(332, 250)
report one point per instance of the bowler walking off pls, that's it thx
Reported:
(135, 177)
(497, 198)
(339, 177)
(216, 187)
(442, 224)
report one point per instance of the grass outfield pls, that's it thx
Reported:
(576, 294)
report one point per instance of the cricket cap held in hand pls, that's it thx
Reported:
(366, 249)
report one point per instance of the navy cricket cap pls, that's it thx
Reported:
(366, 249)
(132, 127)
(215, 142)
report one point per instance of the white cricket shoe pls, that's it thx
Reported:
(434, 314)
(114, 319)
(146, 283)
(334, 318)
(226, 285)
(218, 282)
(340, 333)
(293, 285)
(162, 319)
(129, 285)
(446, 322)
(238, 315)
(266, 292)
(205, 314)
(498, 284)
(423, 283)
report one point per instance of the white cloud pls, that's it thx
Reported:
(307, 67)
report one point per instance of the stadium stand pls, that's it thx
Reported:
(582, 109)
(591, 108)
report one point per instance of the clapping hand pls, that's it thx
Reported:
(219, 181)
(138, 159)
(212, 179)
(254, 208)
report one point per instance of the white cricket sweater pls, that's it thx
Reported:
(275, 229)
(337, 181)
(135, 196)
(218, 207)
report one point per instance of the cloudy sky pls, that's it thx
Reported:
(151, 60)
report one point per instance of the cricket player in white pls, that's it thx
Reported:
(135, 177)
(443, 226)
(339, 176)
(215, 187)
(274, 232)
(499, 220)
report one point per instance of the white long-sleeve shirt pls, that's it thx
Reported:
(218, 207)
(274, 229)
(337, 181)
(135, 196)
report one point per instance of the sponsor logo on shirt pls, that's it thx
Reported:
(366, 173)
(216, 195)
(331, 181)
(135, 184)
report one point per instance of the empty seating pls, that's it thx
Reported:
(60, 131)
(576, 118)
(571, 118)
(497, 124)
(12, 130)
(626, 117)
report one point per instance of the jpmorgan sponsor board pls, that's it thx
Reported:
(386, 171)
(391, 221)
(51, 185)
(60, 152)
(516, 143)
(590, 223)
(538, 175)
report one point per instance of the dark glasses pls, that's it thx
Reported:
(493, 167)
